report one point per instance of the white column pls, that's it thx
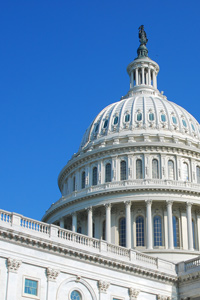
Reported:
(170, 225)
(89, 228)
(74, 222)
(136, 76)
(108, 222)
(154, 79)
(52, 275)
(142, 75)
(128, 224)
(62, 223)
(132, 81)
(184, 231)
(12, 279)
(149, 76)
(149, 224)
(198, 230)
(189, 225)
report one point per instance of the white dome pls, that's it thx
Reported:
(138, 160)
(139, 114)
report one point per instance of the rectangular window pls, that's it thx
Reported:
(31, 287)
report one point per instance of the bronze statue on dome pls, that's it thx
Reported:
(142, 35)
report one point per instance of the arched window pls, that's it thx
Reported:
(174, 120)
(155, 172)
(170, 170)
(74, 183)
(157, 231)
(123, 170)
(139, 231)
(185, 172)
(163, 118)
(108, 173)
(198, 174)
(139, 174)
(122, 232)
(105, 124)
(151, 117)
(127, 118)
(139, 117)
(193, 233)
(83, 180)
(116, 120)
(104, 230)
(94, 176)
(176, 232)
(75, 295)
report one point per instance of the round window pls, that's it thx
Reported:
(75, 295)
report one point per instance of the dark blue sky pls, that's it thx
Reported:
(61, 62)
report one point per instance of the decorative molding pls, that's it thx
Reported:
(161, 297)
(13, 265)
(52, 274)
(189, 277)
(133, 293)
(103, 286)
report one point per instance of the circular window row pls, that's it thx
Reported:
(139, 118)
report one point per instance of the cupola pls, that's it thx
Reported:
(142, 71)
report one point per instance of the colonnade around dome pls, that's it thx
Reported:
(142, 225)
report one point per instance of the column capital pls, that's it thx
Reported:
(127, 203)
(89, 209)
(74, 213)
(133, 293)
(52, 274)
(169, 202)
(189, 204)
(13, 264)
(107, 205)
(103, 286)
(148, 202)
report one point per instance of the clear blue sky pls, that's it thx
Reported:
(61, 62)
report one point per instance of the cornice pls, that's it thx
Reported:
(52, 247)
(62, 203)
(187, 278)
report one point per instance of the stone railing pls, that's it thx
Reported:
(137, 183)
(22, 225)
(146, 258)
(193, 263)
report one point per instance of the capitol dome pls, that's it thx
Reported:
(135, 180)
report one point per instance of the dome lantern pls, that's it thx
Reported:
(143, 71)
